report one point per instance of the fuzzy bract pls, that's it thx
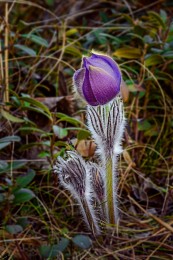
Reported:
(106, 124)
(76, 176)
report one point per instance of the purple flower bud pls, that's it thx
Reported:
(99, 79)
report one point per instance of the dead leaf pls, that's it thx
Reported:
(85, 148)
(50, 102)
(128, 159)
(124, 91)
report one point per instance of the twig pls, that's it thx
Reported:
(6, 93)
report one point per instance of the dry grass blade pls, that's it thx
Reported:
(158, 220)
(6, 94)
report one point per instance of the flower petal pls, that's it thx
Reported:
(104, 86)
(106, 63)
(78, 80)
(88, 92)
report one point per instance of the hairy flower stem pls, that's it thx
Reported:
(110, 191)
(92, 224)
(106, 124)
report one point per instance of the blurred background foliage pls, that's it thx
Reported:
(41, 45)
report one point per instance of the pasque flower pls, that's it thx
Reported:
(98, 80)
(94, 185)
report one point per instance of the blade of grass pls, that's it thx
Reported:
(6, 54)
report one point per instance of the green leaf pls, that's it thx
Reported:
(99, 37)
(3, 165)
(134, 35)
(5, 141)
(49, 251)
(23, 221)
(83, 134)
(44, 154)
(73, 51)
(23, 181)
(14, 229)
(50, 2)
(163, 15)
(30, 145)
(71, 32)
(37, 39)
(2, 197)
(3, 145)
(128, 53)
(168, 54)
(115, 40)
(39, 105)
(153, 59)
(25, 49)
(8, 181)
(10, 138)
(31, 129)
(144, 125)
(10, 117)
(11, 166)
(35, 103)
(75, 128)
(23, 195)
(82, 241)
(151, 132)
(128, 18)
(73, 121)
(37, 110)
(156, 50)
(148, 39)
(59, 131)
(157, 18)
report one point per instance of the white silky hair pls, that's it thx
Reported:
(78, 182)
(106, 124)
